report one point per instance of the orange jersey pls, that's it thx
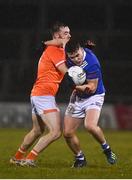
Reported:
(48, 76)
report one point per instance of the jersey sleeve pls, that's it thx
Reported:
(58, 56)
(93, 72)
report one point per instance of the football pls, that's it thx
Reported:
(77, 74)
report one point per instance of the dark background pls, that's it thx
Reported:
(24, 24)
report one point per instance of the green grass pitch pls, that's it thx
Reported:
(55, 162)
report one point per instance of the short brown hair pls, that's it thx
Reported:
(56, 27)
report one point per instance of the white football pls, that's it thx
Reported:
(77, 74)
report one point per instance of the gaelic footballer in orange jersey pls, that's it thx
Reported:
(49, 77)
(45, 113)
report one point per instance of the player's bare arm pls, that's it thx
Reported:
(62, 68)
(90, 87)
(56, 42)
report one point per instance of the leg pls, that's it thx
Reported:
(70, 126)
(91, 124)
(37, 130)
(53, 122)
(29, 139)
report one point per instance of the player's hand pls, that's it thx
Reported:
(86, 88)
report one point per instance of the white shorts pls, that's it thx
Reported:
(43, 104)
(80, 106)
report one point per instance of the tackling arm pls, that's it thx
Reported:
(56, 42)
(89, 88)
(62, 68)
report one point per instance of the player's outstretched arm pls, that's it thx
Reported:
(56, 42)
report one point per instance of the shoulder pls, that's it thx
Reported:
(90, 56)
(55, 54)
(90, 52)
(54, 49)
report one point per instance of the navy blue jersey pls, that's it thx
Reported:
(92, 68)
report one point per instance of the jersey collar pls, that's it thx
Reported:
(84, 54)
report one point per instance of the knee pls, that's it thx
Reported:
(67, 133)
(55, 135)
(36, 132)
(91, 128)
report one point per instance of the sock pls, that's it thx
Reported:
(80, 153)
(32, 155)
(20, 153)
(80, 156)
(105, 146)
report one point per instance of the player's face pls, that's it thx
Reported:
(77, 56)
(64, 33)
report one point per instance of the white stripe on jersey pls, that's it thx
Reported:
(60, 63)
